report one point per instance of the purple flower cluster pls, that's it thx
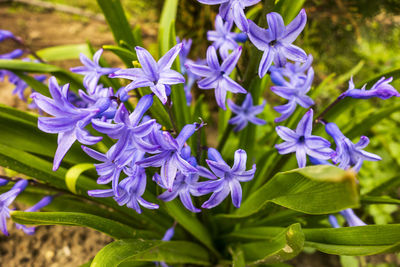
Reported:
(140, 142)
(20, 85)
(7, 198)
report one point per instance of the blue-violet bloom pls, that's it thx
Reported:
(68, 121)
(30, 230)
(230, 178)
(170, 159)
(222, 38)
(185, 185)
(233, 10)
(92, 70)
(5, 201)
(349, 154)
(302, 142)
(157, 75)
(381, 89)
(276, 41)
(216, 76)
(246, 113)
(296, 93)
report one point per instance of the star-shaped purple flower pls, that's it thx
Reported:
(68, 121)
(233, 10)
(157, 75)
(222, 38)
(216, 76)
(349, 154)
(245, 113)
(229, 181)
(185, 185)
(170, 159)
(92, 71)
(302, 142)
(381, 89)
(276, 41)
(296, 93)
(6, 199)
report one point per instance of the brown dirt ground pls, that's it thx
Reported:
(72, 246)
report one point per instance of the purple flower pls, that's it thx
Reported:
(68, 121)
(276, 41)
(245, 113)
(184, 53)
(295, 72)
(222, 38)
(130, 191)
(349, 154)
(381, 89)
(13, 54)
(333, 221)
(233, 10)
(113, 164)
(4, 34)
(6, 199)
(92, 70)
(352, 218)
(229, 181)
(41, 204)
(302, 142)
(169, 233)
(185, 185)
(128, 129)
(217, 76)
(296, 93)
(157, 75)
(170, 159)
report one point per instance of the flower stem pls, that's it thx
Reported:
(326, 110)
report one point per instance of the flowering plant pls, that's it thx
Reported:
(134, 159)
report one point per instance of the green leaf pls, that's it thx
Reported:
(289, 9)
(73, 174)
(116, 19)
(168, 15)
(238, 259)
(178, 252)
(392, 73)
(318, 189)
(369, 121)
(352, 241)
(112, 228)
(33, 83)
(190, 223)
(379, 200)
(388, 184)
(124, 54)
(34, 67)
(285, 246)
(63, 52)
(19, 130)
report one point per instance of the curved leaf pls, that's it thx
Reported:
(360, 240)
(116, 19)
(178, 252)
(191, 224)
(63, 52)
(284, 246)
(318, 189)
(73, 174)
(112, 228)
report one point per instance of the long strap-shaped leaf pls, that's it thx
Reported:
(116, 19)
(318, 189)
(178, 252)
(360, 240)
(112, 228)
(284, 246)
(191, 224)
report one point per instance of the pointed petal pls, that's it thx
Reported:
(240, 161)
(294, 28)
(166, 61)
(147, 62)
(266, 61)
(305, 125)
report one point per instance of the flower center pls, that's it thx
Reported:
(273, 43)
(302, 139)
